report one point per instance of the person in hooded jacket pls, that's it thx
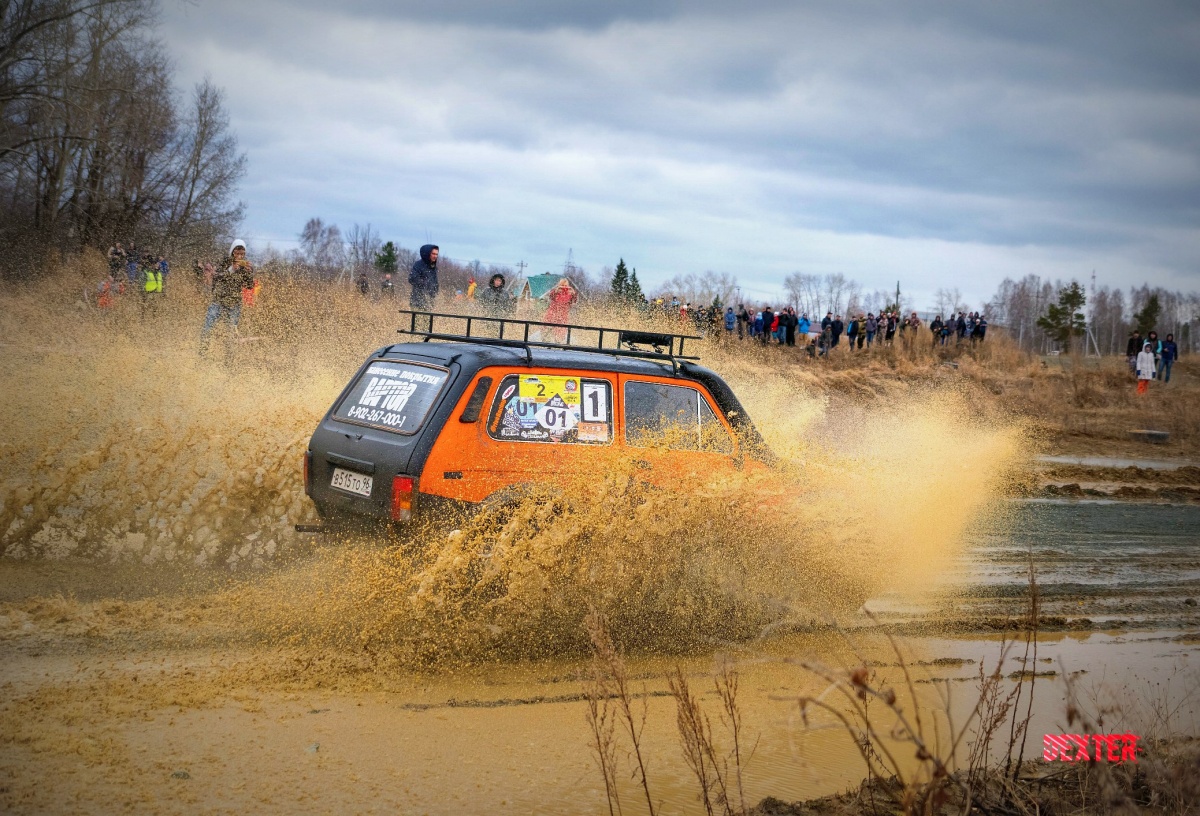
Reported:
(495, 301)
(227, 284)
(1133, 348)
(1166, 359)
(1155, 344)
(789, 329)
(768, 324)
(1147, 368)
(852, 331)
(424, 279)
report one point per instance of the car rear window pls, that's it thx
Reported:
(538, 407)
(394, 396)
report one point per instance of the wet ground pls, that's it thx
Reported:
(123, 694)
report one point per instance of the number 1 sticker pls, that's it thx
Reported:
(595, 402)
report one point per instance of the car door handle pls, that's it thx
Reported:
(355, 464)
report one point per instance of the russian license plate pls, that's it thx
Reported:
(352, 482)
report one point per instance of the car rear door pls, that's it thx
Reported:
(373, 431)
(532, 426)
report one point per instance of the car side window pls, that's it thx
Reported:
(552, 408)
(714, 436)
(672, 415)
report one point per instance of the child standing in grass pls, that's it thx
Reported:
(1146, 369)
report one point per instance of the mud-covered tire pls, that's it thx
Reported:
(496, 513)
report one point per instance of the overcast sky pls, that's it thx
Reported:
(941, 144)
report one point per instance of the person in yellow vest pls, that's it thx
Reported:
(151, 278)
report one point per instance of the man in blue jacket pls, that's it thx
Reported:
(1167, 358)
(424, 279)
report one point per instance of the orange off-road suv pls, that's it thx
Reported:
(426, 432)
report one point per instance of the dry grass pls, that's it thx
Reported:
(613, 708)
(1075, 404)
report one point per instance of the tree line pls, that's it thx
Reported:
(96, 143)
(1046, 316)
(1041, 315)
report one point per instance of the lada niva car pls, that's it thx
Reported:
(430, 431)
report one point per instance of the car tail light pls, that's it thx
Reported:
(404, 489)
(308, 473)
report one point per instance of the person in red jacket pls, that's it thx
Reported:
(561, 299)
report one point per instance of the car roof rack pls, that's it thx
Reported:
(531, 334)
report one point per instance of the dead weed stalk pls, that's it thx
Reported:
(937, 780)
(718, 774)
(610, 702)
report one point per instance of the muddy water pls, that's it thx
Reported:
(169, 643)
(112, 698)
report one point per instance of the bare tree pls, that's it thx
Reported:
(701, 289)
(362, 244)
(93, 144)
(39, 42)
(208, 172)
(949, 301)
(804, 291)
(1107, 321)
(322, 247)
(837, 290)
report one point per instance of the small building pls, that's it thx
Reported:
(536, 289)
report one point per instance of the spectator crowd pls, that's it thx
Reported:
(233, 284)
(1151, 358)
(787, 327)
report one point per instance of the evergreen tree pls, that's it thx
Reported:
(1147, 319)
(633, 292)
(386, 260)
(1065, 319)
(620, 281)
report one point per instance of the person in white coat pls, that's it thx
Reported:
(1146, 369)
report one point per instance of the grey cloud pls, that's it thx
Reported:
(1074, 127)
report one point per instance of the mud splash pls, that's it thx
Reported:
(123, 445)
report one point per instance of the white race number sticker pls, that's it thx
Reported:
(595, 402)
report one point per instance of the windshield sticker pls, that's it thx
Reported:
(547, 408)
(392, 396)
